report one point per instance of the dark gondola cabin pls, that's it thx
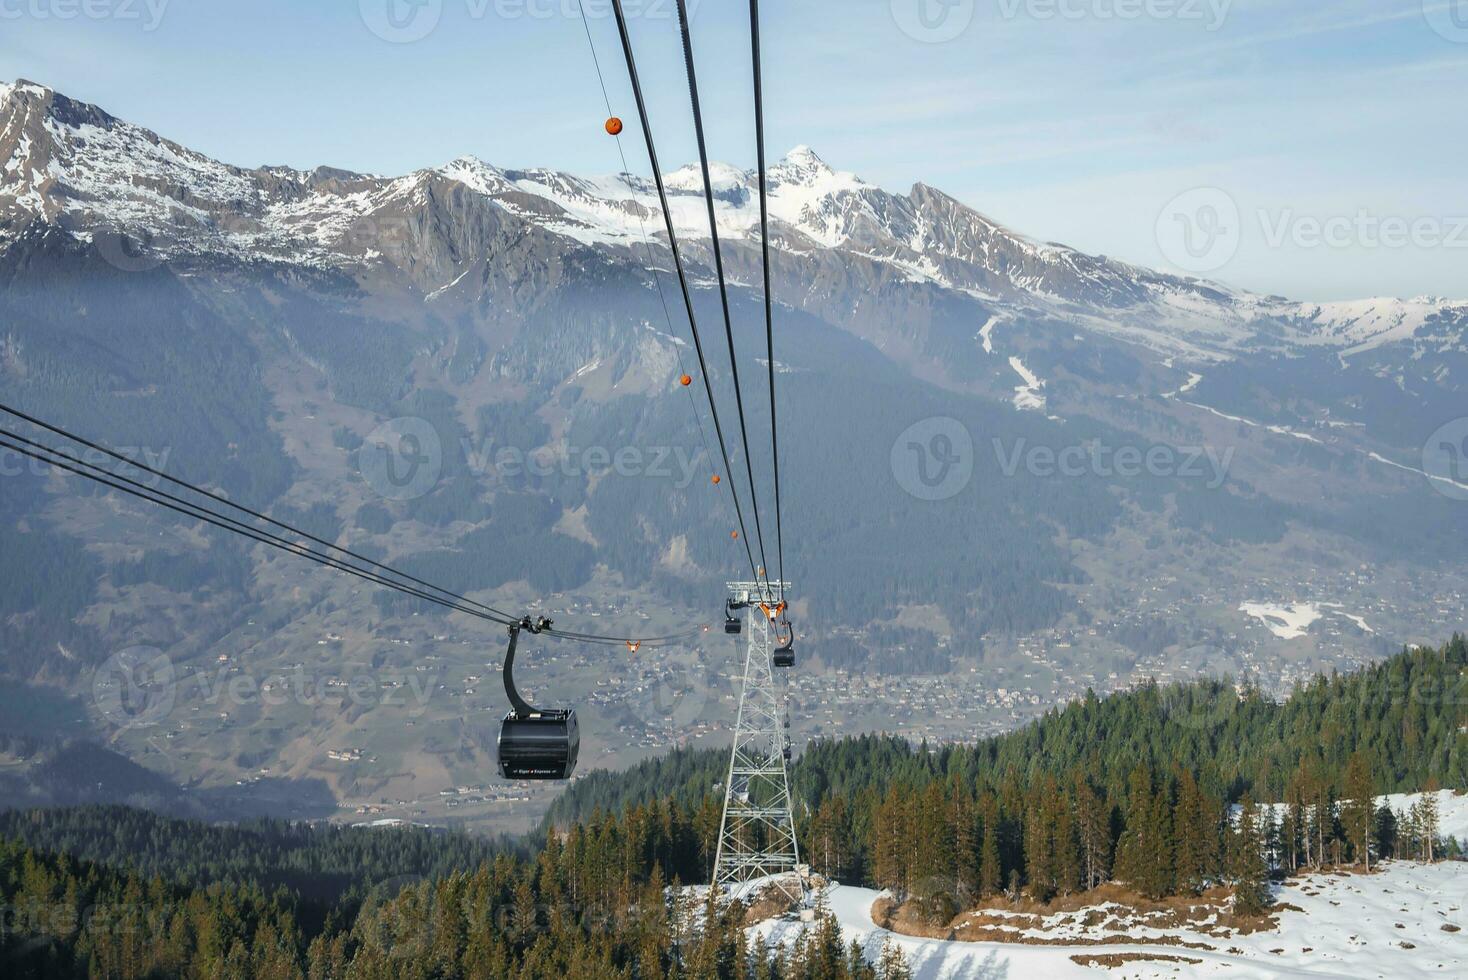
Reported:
(541, 746)
(733, 625)
(535, 743)
(784, 655)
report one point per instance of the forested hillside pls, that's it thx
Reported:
(316, 861)
(1407, 714)
(1137, 787)
(591, 904)
(1157, 790)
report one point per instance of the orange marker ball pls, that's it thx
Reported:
(614, 126)
(685, 381)
(718, 479)
(734, 534)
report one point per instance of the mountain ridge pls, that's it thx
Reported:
(75, 165)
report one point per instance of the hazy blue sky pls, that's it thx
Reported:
(1070, 120)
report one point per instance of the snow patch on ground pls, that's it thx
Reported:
(1028, 397)
(1288, 622)
(986, 334)
(1388, 924)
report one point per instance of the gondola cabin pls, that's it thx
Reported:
(784, 655)
(540, 746)
(535, 743)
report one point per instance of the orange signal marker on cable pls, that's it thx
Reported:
(718, 479)
(614, 126)
(734, 534)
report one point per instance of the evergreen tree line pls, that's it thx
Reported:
(318, 862)
(947, 846)
(1407, 715)
(593, 902)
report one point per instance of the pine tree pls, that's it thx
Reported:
(1250, 870)
(893, 964)
(1144, 853)
(1359, 809)
(1039, 844)
(1093, 833)
(991, 873)
(1429, 825)
(1190, 832)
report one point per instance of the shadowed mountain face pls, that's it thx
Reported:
(470, 371)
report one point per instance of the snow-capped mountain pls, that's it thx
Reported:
(143, 198)
(267, 322)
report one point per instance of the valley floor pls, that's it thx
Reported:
(1402, 921)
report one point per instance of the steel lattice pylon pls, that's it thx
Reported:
(757, 835)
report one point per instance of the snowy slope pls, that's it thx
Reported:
(1383, 925)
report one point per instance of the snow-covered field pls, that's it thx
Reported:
(1390, 924)
(1452, 810)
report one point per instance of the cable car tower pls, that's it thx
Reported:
(757, 836)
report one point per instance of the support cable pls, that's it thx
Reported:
(446, 599)
(708, 187)
(657, 174)
(646, 239)
(764, 224)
